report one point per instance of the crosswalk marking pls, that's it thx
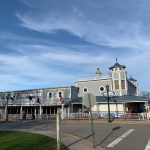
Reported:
(148, 145)
(120, 138)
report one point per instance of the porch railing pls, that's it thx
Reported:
(79, 116)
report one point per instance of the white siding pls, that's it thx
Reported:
(113, 107)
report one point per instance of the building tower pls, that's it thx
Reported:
(133, 90)
(98, 73)
(119, 79)
(134, 81)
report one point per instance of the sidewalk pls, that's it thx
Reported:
(71, 141)
(76, 143)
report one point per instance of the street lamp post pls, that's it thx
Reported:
(108, 98)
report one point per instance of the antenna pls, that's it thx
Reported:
(116, 59)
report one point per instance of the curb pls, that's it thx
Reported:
(138, 122)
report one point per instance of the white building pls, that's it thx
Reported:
(44, 102)
(123, 92)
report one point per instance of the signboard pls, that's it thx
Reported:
(89, 98)
(61, 101)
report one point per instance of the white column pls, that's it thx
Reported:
(41, 111)
(21, 112)
(68, 112)
(126, 88)
(120, 89)
(62, 111)
(147, 108)
(6, 112)
(113, 81)
(35, 112)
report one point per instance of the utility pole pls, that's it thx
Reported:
(58, 130)
(89, 100)
(92, 127)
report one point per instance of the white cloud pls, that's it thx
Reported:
(27, 3)
(43, 65)
(61, 54)
(24, 65)
(107, 23)
(5, 35)
(85, 22)
(41, 68)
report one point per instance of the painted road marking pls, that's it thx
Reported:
(120, 138)
(148, 145)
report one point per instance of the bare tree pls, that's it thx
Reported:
(145, 94)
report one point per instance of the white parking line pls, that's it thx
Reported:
(148, 145)
(120, 138)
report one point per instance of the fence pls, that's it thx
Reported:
(80, 116)
(101, 116)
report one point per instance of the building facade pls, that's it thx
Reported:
(117, 80)
(36, 102)
(123, 92)
(45, 102)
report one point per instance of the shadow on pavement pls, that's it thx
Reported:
(84, 138)
(113, 130)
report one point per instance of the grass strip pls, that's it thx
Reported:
(16, 140)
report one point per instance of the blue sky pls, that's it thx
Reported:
(48, 43)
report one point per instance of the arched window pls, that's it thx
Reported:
(60, 94)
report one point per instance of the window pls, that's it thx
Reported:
(122, 84)
(60, 94)
(116, 84)
(50, 95)
(85, 90)
(101, 88)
